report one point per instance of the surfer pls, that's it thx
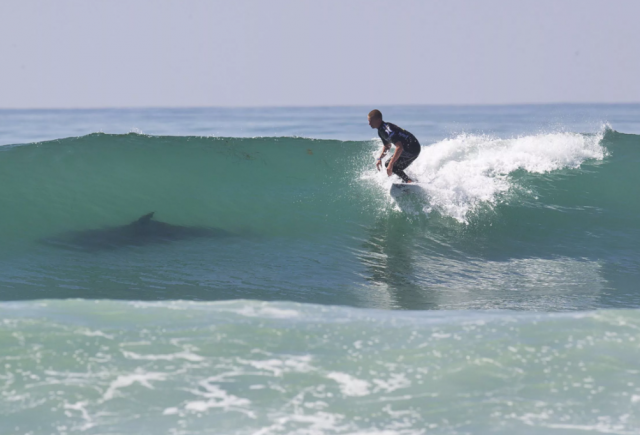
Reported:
(407, 146)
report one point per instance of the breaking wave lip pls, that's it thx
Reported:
(459, 175)
(137, 133)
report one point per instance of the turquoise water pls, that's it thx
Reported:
(280, 288)
(280, 368)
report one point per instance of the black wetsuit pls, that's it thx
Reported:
(391, 134)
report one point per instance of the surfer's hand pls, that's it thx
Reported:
(379, 164)
(390, 169)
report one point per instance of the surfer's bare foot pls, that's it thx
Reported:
(409, 181)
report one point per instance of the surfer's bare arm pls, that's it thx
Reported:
(385, 148)
(396, 156)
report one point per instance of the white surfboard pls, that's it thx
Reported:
(404, 188)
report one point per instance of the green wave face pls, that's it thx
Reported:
(269, 186)
(534, 222)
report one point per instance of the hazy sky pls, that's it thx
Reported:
(99, 53)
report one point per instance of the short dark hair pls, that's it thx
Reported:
(375, 113)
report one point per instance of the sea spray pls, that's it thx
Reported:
(462, 174)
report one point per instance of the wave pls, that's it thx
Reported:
(267, 184)
(465, 172)
(231, 182)
(313, 221)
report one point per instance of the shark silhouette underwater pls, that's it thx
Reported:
(144, 231)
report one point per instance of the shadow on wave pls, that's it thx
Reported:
(141, 232)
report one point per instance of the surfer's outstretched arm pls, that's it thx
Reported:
(383, 153)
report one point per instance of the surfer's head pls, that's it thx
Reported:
(375, 118)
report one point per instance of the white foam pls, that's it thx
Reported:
(139, 377)
(461, 173)
(185, 355)
(299, 364)
(90, 333)
(395, 382)
(349, 385)
(81, 407)
(317, 424)
(267, 312)
(216, 397)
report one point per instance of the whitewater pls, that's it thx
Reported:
(286, 291)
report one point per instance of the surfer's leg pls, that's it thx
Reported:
(401, 164)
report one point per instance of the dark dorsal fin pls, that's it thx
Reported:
(145, 219)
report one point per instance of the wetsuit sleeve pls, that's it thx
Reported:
(384, 141)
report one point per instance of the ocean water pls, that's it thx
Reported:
(278, 287)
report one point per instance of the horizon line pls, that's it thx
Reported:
(133, 107)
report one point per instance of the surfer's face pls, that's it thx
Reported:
(374, 122)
